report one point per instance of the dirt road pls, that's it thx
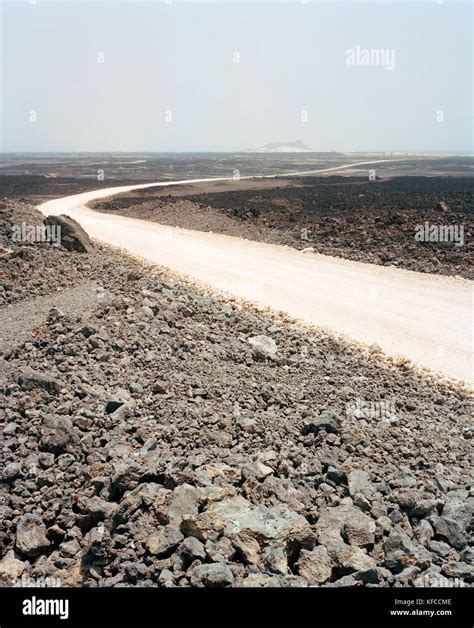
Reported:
(425, 318)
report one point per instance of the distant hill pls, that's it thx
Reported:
(289, 147)
(283, 147)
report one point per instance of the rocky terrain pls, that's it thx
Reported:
(155, 434)
(347, 217)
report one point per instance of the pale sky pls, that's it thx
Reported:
(227, 76)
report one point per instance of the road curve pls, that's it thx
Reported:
(426, 318)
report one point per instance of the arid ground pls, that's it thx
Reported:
(158, 434)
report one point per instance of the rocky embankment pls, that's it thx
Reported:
(164, 436)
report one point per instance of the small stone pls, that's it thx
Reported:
(10, 429)
(359, 530)
(97, 542)
(10, 569)
(31, 537)
(248, 425)
(384, 523)
(134, 275)
(121, 403)
(91, 510)
(206, 525)
(192, 549)
(248, 547)
(440, 547)
(263, 347)
(220, 551)
(55, 533)
(337, 476)
(135, 388)
(452, 531)
(315, 565)
(166, 578)
(212, 575)
(456, 569)
(275, 560)
(184, 503)
(401, 552)
(46, 460)
(350, 558)
(164, 540)
(405, 498)
(424, 532)
(161, 387)
(423, 507)
(87, 331)
(55, 313)
(30, 379)
(57, 435)
(457, 513)
(359, 483)
(348, 581)
(11, 472)
(345, 522)
(71, 548)
(256, 470)
(327, 421)
(146, 312)
(360, 501)
(442, 484)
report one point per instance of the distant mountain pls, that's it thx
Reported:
(283, 147)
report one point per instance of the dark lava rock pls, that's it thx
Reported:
(73, 236)
(327, 421)
(30, 379)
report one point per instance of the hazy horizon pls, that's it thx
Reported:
(227, 77)
(465, 153)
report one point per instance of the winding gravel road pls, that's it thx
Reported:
(426, 318)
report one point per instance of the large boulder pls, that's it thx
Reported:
(72, 237)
